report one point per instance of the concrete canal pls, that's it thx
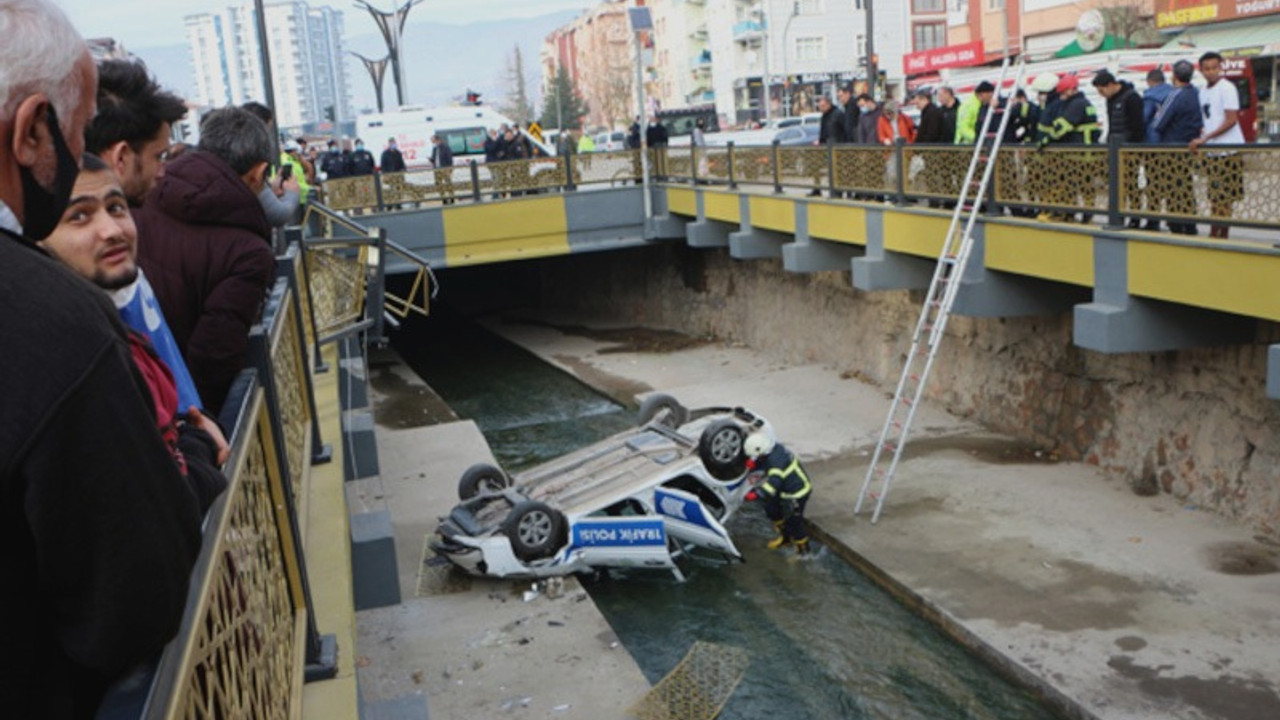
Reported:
(825, 642)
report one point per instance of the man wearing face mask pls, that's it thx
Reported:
(208, 247)
(361, 160)
(100, 531)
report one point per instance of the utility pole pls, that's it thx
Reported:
(765, 89)
(873, 73)
(268, 86)
(641, 20)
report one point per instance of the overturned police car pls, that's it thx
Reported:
(639, 499)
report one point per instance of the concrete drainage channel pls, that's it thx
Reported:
(822, 639)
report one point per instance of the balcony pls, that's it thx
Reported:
(748, 31)
(701, 63)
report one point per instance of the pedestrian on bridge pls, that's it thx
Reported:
(785, 490)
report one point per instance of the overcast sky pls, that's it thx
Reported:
(149, 23)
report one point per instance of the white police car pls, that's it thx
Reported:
(639, 499)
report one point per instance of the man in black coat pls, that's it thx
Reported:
(830, 131)
(929, 129)
(392, 158)
(1126, 124)
(442, 161)
(949, 108)
(847, 104)
(100, 531)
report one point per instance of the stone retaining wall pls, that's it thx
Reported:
(1194, 423)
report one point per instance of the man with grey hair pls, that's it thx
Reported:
(99, 530)
(207, 251)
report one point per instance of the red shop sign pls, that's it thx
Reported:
(943, 57)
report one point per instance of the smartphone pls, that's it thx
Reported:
(286, 172)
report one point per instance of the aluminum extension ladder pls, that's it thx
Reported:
(937, 307)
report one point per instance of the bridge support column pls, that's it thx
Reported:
(708, 234)
(750, 243)
(807, 255)
(990, 293)
(663, 225)
(1117, 322)
(883, 269)
(1273, 372)
(756, 244)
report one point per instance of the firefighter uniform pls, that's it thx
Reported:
(785, 490)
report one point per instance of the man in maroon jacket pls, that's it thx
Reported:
(207, 248)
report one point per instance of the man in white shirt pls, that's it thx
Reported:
(1220, 103)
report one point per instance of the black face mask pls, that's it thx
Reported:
(42, 208)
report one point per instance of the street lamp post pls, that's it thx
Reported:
(786, 57)
(641, 20)
(762, 11)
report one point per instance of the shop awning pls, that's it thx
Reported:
(1255, 38)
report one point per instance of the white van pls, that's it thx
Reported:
(611, 141)
(463, 127)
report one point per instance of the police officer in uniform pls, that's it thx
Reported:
(785, 490)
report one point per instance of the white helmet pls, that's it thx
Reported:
(1045, 82)
(757, 444)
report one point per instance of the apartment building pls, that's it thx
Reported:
(307, 65)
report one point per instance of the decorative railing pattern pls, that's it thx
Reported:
(1236, 185)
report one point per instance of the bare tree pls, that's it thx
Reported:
(1131, 23)
(516, 105)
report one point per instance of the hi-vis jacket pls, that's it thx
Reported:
(784, 478)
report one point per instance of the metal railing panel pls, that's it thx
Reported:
(606, 167)
(1055, 179)
(803, 167)
(239, 651)
(1239, 186)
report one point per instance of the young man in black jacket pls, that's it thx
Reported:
(1126, 124)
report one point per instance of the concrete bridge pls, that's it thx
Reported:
(1130, 291)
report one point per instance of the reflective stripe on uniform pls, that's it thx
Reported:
(794, 467)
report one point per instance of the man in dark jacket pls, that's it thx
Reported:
(1157, 90)
(929, 130)
(392, 159)
(442, 161)
(1124, 108)
(100, 532)
(1126, 125)
(1178, 120)
(949, 108)
(830, 130)
(361, 160)
(848, 105)
(334, 163)
(207, 250)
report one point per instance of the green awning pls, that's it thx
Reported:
(1110, 42)
(1253, 38)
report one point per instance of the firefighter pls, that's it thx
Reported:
(1073, 121)
(785, 490)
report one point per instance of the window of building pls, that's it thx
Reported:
(811, 48)
(928, 6)
(995, 4)
(809, 7)
(857, 4)
(927, 36)
(860, 42)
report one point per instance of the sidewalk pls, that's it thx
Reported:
(1114, 605)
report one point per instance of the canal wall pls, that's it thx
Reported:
(1195, 424)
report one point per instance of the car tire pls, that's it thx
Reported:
(482, 478)
(720, 449)
(665, 409)
(535, 530)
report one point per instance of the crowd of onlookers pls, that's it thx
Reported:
(1169, 111)
(131, 272)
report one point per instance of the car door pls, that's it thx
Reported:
(628, 541)
(689, 520)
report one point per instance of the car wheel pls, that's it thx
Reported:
(666, 410)
(482, 478)
(534, 529)
(720, 448)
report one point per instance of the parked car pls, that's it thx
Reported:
(639, 499)
(611, 141)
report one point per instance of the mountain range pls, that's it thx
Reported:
(442, 61)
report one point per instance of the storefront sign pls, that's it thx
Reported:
(945, 57)
(1176, 13)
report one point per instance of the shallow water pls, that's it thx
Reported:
(824, 641)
